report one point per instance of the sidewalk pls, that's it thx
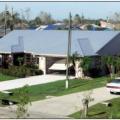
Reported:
(68, 104)
(34, 80)
(62, 106)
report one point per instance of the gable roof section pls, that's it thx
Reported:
(90, 42)
(112, 47)
(55, 41)
(86, 48)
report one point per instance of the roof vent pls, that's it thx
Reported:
(18, 47)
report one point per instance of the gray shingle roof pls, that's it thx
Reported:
(55, 41)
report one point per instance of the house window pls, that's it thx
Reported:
(28, 58)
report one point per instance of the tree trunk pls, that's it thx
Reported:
(78, 70)
(85, 108)
(112, 71)
(86, 111)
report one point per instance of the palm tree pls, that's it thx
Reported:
(75, 60)
(117, 63)
(80, 64)
(86, 63)
(110, 61)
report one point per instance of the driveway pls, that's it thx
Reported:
(34, 80)
(61, 107)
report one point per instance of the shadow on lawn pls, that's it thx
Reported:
(118, 93)
(100, 115)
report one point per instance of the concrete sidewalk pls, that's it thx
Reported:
(7, 113)
(34, 80)
(61, 107)
(68, 104)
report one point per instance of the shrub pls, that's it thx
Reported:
(20, 71)
(23, 98)
(31, 66)
(38, 72)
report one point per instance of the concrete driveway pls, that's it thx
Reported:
(61, 107)
(34, 80)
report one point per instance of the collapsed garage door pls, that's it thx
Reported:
(60, 66)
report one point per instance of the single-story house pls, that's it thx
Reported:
(48, 49)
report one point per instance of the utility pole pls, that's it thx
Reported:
(12, 20)
(68, 53)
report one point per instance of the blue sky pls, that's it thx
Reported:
(60, 10)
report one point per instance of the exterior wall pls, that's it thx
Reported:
(28, 58)
(6, 60)
(10, 60)
(42, 64)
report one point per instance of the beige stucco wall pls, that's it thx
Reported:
(42, 64)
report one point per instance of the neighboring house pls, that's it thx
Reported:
(108, 25)
(93, 27)
(56, 26)
(21, 26)
(48, 49)
(47, 27)
(89, 27)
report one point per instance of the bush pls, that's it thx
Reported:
(38, 72)
(21, 71)
(31, 66)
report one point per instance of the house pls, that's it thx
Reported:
(56, 26)
(89, 27)
(93, 27)
(48, 49)
(108, 25)
(47, 27)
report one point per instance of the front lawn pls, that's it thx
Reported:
(6, 77)
(100, 111)
(57, 88)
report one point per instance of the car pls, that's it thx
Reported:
(114, 86)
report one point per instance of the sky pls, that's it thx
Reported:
(60, 10)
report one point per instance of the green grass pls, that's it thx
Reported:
(6, 77)
(38, 92)
(100, 111)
